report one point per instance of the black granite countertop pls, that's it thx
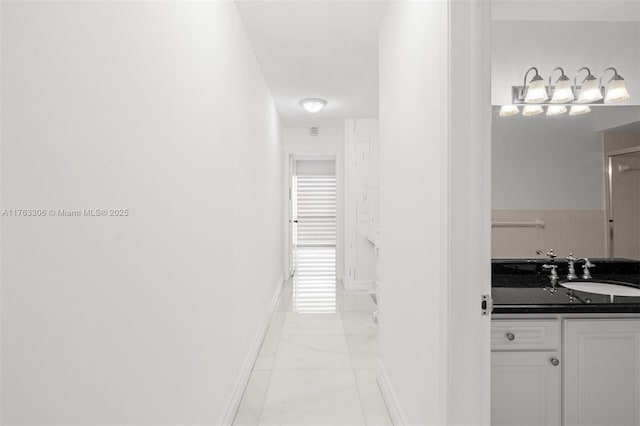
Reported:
(522, 286)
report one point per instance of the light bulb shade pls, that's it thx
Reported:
(509, 110)
(563, 92)
(530, 110)
(556, 109)
(616, 91)
(536, 91)
(579, 109)
(313, 105)
(590, 91)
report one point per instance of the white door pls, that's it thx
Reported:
(313, 236)
(525, 388)
(602, 372)
(624, 205)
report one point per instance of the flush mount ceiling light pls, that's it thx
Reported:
(536, 91)
(590, 92)
(313, 105)
(616, 88)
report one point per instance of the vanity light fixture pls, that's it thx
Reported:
(530, 110)
(556, 109)
(563, 91)
(579, 109)
(313, 105)
(616, 88)
(590, 91)
(536, 91)
(509, 110)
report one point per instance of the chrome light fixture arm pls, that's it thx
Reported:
(575, 78)
(521, 93)
(616, 76)
(551, 75)
(524, 84)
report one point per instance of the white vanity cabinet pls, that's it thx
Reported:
(566, 370)
(601, 372)
(525, 373)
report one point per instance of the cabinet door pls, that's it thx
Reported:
(602, 372)
(525, 388)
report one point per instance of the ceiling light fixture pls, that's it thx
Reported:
(313, 105)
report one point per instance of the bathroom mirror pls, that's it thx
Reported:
(550, 188)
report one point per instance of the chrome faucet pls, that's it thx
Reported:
(586, 275)
(553, 276)
(571, 274)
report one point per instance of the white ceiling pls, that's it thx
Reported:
(317, 49)
(566, 10)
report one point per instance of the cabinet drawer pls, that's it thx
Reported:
(525, 335)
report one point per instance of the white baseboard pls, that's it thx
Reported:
(398, 418)
(245, 373)
(350, 284)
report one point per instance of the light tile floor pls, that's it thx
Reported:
(317, 368)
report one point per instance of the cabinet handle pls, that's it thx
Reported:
(511, 336)
(555, 362)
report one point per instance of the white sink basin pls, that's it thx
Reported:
(603, 287)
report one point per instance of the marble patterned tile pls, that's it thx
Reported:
(363, 350)
(315, 324)
(317, 369)
(306, 352)
(324, 397)
(373, 406)
(250, 409)
(359, 323)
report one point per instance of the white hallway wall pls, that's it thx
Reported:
(435, 211)
(159, 108)
(411, 215)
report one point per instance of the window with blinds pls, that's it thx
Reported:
(315, 208)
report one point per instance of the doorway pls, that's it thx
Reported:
(623, 206)
(313, 234)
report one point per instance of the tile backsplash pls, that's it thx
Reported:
(581, 232)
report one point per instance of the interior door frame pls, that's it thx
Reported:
(609, 240)
(290, 158)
